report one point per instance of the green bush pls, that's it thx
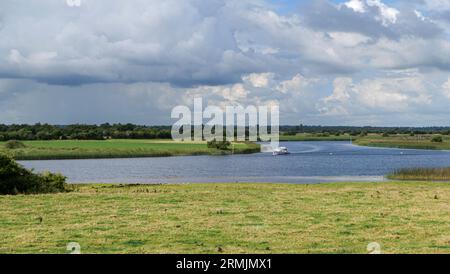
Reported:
(14, 144)
(15, 179)
(437, 139)
(221, 145)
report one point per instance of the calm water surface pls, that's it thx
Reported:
(310, 162)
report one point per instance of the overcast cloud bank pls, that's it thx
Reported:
(357, 62)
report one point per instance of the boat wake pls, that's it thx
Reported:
(308, 149)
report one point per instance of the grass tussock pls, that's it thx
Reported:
(422, 174)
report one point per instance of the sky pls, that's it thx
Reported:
(325, 62)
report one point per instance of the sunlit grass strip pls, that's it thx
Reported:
(422, 174)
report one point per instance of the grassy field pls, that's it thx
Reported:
(231, 218)
(68, 149)
(314, 137)
(423, 174)
(404, 141)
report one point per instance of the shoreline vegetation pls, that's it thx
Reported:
(15, 179)
(118, 148)
(421, 174)
(405, 141)
(230, 218)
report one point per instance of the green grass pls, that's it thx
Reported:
(405, 141)
(314, 137)
(231, 218)
(68, 149)
(422, 174)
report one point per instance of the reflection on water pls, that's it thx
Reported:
(310, 162)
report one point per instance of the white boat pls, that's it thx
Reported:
(280, 151)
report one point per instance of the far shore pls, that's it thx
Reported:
(142, 148)
(119, 148)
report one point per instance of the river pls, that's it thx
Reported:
(309, 162)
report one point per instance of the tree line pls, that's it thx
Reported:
(132, 131)
(354, 130)
(82, 132)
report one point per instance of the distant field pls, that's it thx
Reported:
(68, 149)
(231, 218)
(315, 137)
(404, 141)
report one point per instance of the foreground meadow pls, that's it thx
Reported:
(231, 218)
(116, 148)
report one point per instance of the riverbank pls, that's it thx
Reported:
(230, 218)
(117, 148)
(405, 141)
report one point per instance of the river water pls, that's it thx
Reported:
(309, 162)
